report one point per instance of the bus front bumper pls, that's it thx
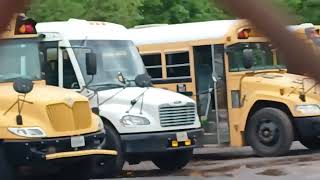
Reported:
(308, 126)
(160, 141)
(42, 150)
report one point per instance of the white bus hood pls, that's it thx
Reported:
(114, 104)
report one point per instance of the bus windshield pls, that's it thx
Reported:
(19, 58)
(263, 57)
(113, 57)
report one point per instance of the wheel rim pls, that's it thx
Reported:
(268, 132)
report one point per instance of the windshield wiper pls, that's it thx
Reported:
(279, 67)
(107, 85)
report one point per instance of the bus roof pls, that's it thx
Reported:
(294, 28)
(182, 32)
(76, 29)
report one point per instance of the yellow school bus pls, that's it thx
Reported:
(43, 129)
(244, 96)
(307, 32)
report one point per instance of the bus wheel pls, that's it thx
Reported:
(269, 132)
(312, 143)
(171, 161)
(6, 170)
(110, 166)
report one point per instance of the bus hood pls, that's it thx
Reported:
(151, 96)
(57, 111)
(283, 83)
(115, 104)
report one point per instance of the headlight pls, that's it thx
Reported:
(30, 132)
(133, 121)
(308, 109)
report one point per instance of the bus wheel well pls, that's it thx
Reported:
(265, 104)
(108, 123)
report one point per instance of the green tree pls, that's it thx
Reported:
(179, 11)
(56, 10)
(305, 10)
(124, 12)
(118, 11)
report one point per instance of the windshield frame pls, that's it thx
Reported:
(76, 46)
(33, 40)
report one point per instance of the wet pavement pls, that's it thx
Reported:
(235, 163)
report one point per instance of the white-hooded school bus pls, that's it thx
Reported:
(146, 123)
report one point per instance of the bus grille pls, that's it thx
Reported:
(65, 118)
(177, 115)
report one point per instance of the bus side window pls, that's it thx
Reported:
(70, 80)
(178, 65)
(153, 65)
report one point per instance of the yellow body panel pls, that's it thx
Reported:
(271, 85)
(71, 115)
(80, 153)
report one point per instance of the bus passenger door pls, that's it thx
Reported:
(212, 93)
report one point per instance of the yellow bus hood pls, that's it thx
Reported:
(57, 111)
(283, 84)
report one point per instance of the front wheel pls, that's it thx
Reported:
(312, 142)
(110, 166)
(269, 132)
(171, 161)
(6, 170)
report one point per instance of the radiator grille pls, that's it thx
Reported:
(65, 118)
(177, 115)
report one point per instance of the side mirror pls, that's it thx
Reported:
(143, 80)
(248, 58)
(23, 86)
(91, 63)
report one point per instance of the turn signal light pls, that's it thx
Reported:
(187, 142)
(26, 29)
(174, 143)
(25, 25)
(244, 34)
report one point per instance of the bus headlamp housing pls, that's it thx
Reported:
(133, 121)
(29, 132)
(308, 109)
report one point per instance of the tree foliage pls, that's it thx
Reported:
(133, 12)
(127, 12)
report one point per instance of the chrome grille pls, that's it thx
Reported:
(177, 115)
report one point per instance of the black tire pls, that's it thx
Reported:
(312, 142)
(6, 170)
(110, 166)
(269, 132)
(172, 161)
